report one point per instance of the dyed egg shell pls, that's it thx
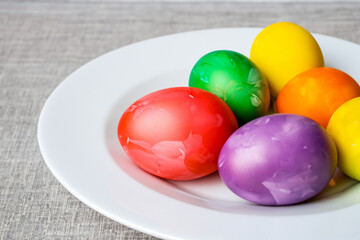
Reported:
(236, 80)
(344, 128)
(283, 50)
(176, 133)
(317, 93)
(278, 159)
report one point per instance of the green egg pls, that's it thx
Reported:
(236, 80)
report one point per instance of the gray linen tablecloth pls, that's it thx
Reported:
(42, 42)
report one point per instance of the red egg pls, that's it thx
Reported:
(176, 133)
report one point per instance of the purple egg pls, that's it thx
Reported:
(278, 159)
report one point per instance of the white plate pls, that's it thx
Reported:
(77, 138)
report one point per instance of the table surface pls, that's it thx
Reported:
(42, 42)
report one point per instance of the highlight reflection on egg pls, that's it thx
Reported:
(176, 133)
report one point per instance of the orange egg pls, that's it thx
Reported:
(317, 93)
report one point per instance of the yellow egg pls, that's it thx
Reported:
(344, 129)
(283, 50)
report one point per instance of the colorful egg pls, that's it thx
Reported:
(236, 80)
(344, 128)
(176, 133)
(317, 93)
(278, 159)
(283, 50)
